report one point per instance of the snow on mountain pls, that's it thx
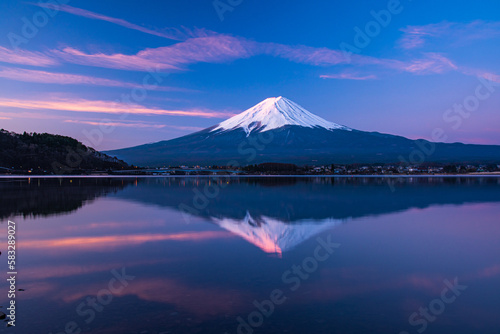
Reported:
(273, 235)
(273, 113)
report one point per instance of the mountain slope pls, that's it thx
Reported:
(278, 130)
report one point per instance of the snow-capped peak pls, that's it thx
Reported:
(273, 113)
(273, 235)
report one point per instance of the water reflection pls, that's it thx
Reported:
(50, 196)
(197, 271)
(282, 198)
(273, 214)
(272, 235)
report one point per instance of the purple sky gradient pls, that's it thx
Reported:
(141, 74)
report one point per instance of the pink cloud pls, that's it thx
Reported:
(303, 54)
(94, 121)
(114, 241)
(315, 56)
(29, 115)
(416, 36)
(212, 49)
(490, 271)
(185, 128)
(36, 76)
(209, 47)
(25, 57)
(41, 272)
(133, 125)
(202, 301)
(480, 73)
(109, 107)
(432, 63)
(118, 124)
(225, 48)
(348, 76)
(201, 46)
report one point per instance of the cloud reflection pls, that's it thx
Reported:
(97, 243)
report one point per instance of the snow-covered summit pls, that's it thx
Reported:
(273, 113)
(273, 235)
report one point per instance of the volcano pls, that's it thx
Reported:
(273, 235)
(279, 130)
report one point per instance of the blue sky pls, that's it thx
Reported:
(121, 73)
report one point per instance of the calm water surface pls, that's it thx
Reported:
(253, 255)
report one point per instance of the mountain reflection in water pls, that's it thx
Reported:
(275, 214)
(201, 261)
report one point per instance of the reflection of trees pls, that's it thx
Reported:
(45, 197)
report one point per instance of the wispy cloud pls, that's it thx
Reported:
(107, 107)
(171, 33)
(118, 124)
(481, 74)
(97, 243)
(95, 121)
(432, 63)
(200, 46)
(210, 47)
(30, 115)
(213, 49)
(429, 63)
(415, 36)
(36, 76)
(186, 128)
(489, 76)
(225, 48)
(133, 124)
(348, 76)
(302, 54)
(203, 46)
(197, 46)
(453, 32)
(25, 57)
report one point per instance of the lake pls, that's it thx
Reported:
(253, 255)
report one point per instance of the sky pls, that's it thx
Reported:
(116, 74)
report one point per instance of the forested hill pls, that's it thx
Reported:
(43, 153)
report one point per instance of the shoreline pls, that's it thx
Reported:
(497, 174)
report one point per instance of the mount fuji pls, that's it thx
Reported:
(274, 235)
(274, 113)
(279, 130)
